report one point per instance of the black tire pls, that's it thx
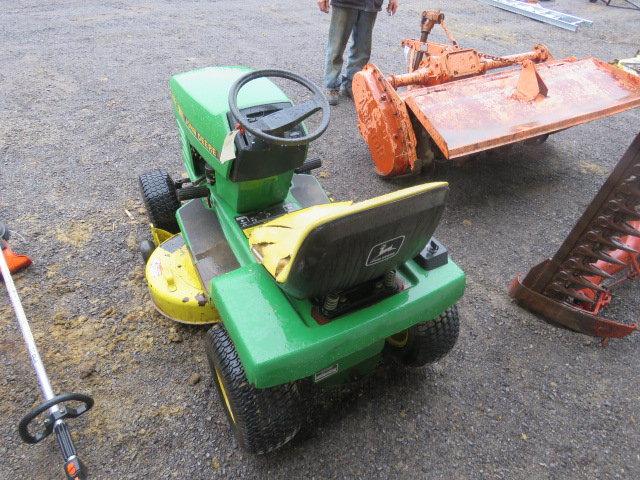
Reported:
(161, 199)
(426, 342)
(262, 419)
(146, 249)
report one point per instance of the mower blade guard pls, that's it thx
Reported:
(15, 261)
(603, 249)
(483, 112)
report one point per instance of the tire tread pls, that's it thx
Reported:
(266, 418)
(429, 341)
(161, 199)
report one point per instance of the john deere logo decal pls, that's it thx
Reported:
(203, 141)
(385, 250)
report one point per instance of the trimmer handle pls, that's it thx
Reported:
(61, 414)
(74, 469)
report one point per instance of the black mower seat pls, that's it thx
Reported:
(327, 248)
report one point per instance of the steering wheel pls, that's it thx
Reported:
(269, 127)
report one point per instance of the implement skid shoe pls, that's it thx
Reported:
(601, 251)
(384, 123)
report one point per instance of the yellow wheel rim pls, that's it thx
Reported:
(225, 397)
(399, 340)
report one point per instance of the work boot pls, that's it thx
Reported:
(346, 90)
(333, 95)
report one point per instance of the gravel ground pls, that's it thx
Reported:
(85, 108)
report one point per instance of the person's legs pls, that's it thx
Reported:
(342, 23)
(360, 50)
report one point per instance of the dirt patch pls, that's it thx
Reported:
(76, 234)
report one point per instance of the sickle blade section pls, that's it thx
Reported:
(601, 251)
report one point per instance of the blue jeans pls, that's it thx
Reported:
(346, 22)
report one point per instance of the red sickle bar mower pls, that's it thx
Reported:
(572, 288)
(455, 101)
(55, 405)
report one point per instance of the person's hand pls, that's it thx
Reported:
(323, 5)
(392, 6)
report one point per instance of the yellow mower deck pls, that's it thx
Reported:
(174, 283)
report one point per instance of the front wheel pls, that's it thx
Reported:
(262, 419)
(161, 199)
(425, 342)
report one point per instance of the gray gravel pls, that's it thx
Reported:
(85, 108)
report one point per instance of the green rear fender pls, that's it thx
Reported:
(278, 341)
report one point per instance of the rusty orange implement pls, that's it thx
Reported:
(455, 101)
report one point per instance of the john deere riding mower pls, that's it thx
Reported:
(297, 288)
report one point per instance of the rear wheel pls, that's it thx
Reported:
(262, 419)
(425, 342)
(161, 199)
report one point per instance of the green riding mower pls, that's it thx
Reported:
(297, 288)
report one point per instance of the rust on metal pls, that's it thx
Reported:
(469, 101)
(481, 112)
(601, 251)
(384, 123)
(446, 63)
(530, 85)
(429, 19)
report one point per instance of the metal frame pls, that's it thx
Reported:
(446, 108)
(536, 12)
(602, 250)
(634, 6)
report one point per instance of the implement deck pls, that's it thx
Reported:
(479, 113)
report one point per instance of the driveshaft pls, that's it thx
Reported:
(55, 405)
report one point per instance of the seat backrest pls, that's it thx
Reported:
(361, 241)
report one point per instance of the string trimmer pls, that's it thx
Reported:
(55, 405)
